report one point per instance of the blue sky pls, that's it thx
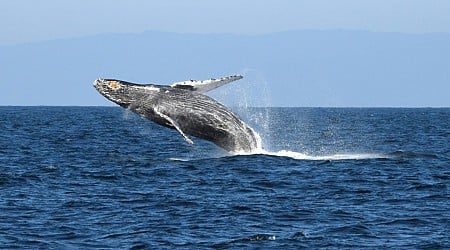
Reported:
(29, 20)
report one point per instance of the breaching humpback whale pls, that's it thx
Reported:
(184, 107)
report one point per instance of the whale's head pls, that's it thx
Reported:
(115, 90)
(125, 93)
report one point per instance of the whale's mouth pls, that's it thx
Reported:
(98, 84)
(105, 82)
(98, 81)
(112, 90)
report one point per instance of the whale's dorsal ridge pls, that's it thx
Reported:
(203, 86)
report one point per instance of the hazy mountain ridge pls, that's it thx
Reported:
(301, 68)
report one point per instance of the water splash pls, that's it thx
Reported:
(304, 156)
(249, 99)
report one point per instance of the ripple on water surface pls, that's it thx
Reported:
(334, 178)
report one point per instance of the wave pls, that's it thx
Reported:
(246, 240)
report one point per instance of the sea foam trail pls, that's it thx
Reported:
(303, 156)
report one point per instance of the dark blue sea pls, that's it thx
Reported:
(328, 178)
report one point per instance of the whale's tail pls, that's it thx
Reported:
(203, 86)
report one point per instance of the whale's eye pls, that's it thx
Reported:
(114, 85)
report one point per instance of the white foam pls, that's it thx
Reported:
(178, 159)
(303, 156)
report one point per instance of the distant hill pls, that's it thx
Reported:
(298, 68)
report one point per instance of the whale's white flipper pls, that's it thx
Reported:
(175, 125)
(203, 86)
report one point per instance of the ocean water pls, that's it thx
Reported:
(102, 177)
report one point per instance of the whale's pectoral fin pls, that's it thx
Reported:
(203, 86)
(175, 125)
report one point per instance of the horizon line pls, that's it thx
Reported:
(82, 36)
